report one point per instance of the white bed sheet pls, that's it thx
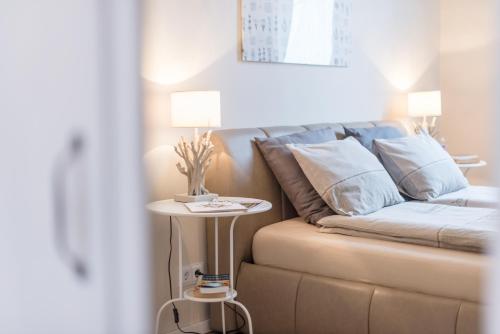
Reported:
(435, 225)
(297, 246)
(472, 196)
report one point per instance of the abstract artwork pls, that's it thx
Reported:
(313, 32)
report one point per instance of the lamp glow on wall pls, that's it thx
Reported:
(424, 105)
(195, 109)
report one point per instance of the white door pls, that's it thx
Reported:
(73, 237)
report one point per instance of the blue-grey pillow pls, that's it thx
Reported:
(420, 166)
(366, 136)
(306, 201)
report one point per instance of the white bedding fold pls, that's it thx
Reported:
(472, 196)
(443, 226)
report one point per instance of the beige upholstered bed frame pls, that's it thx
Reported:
(287, 302)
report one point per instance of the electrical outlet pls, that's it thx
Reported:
(188, 272)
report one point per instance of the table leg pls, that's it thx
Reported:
(160, 311)
(180, 298)
(231, 254)
(216, 235)
(223, 318)
(247, 314)
(179, 237)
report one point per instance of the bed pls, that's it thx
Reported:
(294, 279)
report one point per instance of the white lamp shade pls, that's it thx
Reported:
(196, 109)
(424, 104)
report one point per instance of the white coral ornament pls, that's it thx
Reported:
(197, 159)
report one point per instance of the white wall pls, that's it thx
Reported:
(194, 45)
(467, 79)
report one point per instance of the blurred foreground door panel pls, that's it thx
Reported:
(73, 237)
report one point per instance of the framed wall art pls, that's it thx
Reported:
(312, 32)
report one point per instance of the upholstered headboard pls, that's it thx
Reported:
(238, 169)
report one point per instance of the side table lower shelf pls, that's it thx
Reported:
(188, 295)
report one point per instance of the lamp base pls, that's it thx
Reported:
(185, 198)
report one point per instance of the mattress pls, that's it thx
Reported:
(297, 246)
(472, 196)
(435, 225)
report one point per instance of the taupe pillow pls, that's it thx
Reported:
(349, 178)
(290, 176)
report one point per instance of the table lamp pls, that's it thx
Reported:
(195, 109)
(425, 104)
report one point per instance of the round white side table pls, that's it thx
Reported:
(466, 167)
(176, 210)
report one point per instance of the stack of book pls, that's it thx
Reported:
(212, 286)
(466, 159)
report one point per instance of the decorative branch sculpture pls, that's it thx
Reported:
(431, 129)
(197, 158)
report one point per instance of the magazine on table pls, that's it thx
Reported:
(221, 206)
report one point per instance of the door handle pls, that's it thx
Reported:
(69, 157)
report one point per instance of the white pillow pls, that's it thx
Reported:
(347, 176)
(421, 168)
